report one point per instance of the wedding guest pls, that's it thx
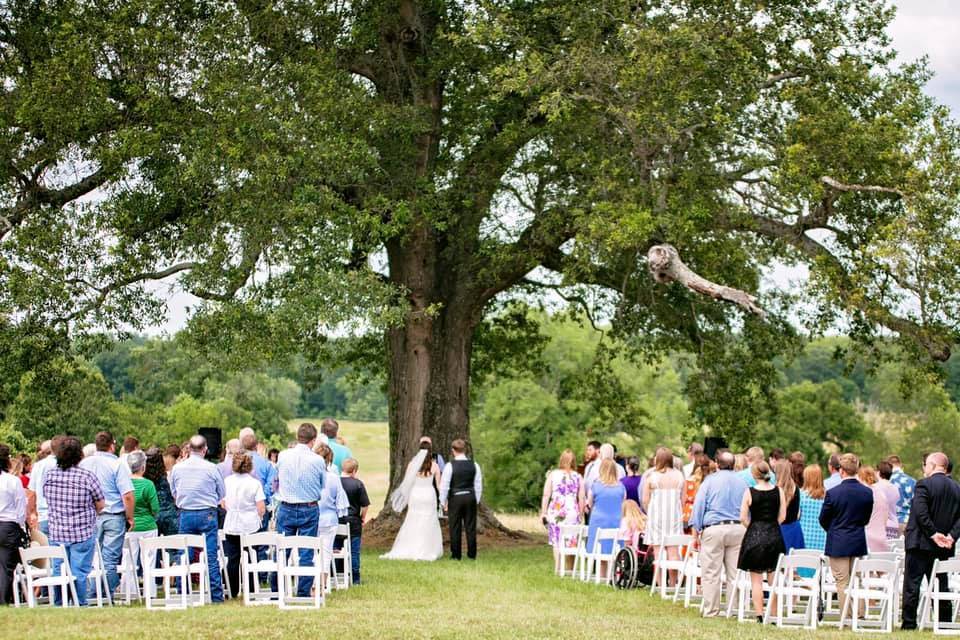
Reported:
(225, 466)
(932, 532)
(846, 511)
(740, 462)
(36, 501)
(632, 481)
(790, 526)
(717, 529)
(74, 498)
(892, 496)
(606, 504)
(168, 518)
(833, 466)
(244, 502)
(703, 467)
(89, 450)
(330, 428)
(776, 455)
(13, 514)
(356, 493)
(197, 487)
(663, 501)
(811, 503)
(171, 455)
(605, 452)
(695, 449)
(755, 455)
(20, 467)
(876, 529)
(130, 444)
(263, 471)
(590, 456)
(906, 486)
(273, 456)
(333, 502)
(146, 505)
(798, 462)
(562, 499)
(117, 515)
(762, 510)
(632, 523)
(301, 476)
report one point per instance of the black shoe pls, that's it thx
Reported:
(908, 627)
(759, 619)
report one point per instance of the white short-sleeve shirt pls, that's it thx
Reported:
(243, 491)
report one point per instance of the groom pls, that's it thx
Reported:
(462, 483)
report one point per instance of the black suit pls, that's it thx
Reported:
(935, 509)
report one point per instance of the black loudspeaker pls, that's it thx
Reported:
(712, 445)
(214, 441)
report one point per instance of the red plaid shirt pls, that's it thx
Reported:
(71, 494)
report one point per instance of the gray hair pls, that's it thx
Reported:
(89, 450)
(606, 451)
(137, 461)
(198, 443)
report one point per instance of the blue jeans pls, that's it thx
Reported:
(45, 528)
(204, 522)
(355, 558)
(111, 529)
(80, 557)
(298, 520)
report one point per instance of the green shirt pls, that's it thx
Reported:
(146, 505)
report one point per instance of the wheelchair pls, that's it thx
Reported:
(633, 567)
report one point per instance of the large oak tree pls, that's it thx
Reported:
(397, 167)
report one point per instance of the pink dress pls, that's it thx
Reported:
(629, 535)
(876, 529)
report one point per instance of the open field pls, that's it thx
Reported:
(507, 593)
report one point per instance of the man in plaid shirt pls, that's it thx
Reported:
(74, 498)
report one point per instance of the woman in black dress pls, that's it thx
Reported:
(762, 510)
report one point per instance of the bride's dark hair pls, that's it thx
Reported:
(427, 465)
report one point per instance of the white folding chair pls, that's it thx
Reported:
(129, 581)
(794, 591)
(222, 562)
(896, 544)
(690, 579)
(932, 598)
(342, 579)
(871, 581)
(289, 570)
(740, 598)
(662, 565)
(568, 546)
(174, 554)
(251, 567)
(98, 575)
(595, 557)
(44, 577)
(19, 585)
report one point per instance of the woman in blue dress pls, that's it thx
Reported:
(605, 504)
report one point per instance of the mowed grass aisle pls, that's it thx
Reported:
(507, 593)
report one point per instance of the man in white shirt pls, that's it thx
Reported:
(461, 485)
(36, 502)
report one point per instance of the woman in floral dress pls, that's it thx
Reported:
(562, 501)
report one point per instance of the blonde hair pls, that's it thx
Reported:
(784, 471)
(813, 481)
(849, 463)
(325, 452)
(867, 475)
(608, 472)
(633, 516)
(739, 462)
(568, 460)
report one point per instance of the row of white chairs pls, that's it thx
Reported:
(183, 560)
(802, 585)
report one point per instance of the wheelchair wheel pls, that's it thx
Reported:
(625, 569)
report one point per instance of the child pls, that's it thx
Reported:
(632, 523)
(359, 502)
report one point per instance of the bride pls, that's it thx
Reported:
(419, 537)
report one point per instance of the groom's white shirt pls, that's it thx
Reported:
(447, 475)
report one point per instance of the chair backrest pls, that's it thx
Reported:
(896, 544)
(812, 553)
(343, 530)
(867, 566)
(677, 541)
(603, 535)
(258, 539)
(884, 555)
(946, 566)
(44, 552)
(800, 561)
(300, 542)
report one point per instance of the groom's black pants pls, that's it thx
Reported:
(462, 516)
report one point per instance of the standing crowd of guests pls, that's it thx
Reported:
(745, 510)
(96, 496)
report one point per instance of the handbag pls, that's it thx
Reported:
(23, 539)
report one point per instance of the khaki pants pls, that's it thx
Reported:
(841, 568)
(719, 551)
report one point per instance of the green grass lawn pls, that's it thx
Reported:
(507, 593)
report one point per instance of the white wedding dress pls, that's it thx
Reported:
(419, 537)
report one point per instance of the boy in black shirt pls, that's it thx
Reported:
(359, 502)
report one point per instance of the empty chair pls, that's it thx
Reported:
(252, 568)
(568, 544)
(289, 570)
(872, 595)
(175, 568)
(40, 577)
(797, 594)
(934, 597)
(663, 565)
(344, 578)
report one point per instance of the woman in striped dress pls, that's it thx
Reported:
(663, 502)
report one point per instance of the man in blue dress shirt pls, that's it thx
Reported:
(197, 488)
(300, 478)
(718, 530)
(833, 465)
(117, 515)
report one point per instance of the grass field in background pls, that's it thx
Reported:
(507, 593)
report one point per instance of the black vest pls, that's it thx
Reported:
(464, 473)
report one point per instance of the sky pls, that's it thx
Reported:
(921, 27)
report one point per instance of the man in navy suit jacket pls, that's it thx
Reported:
(846, 511)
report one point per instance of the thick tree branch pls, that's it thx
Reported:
(36, 196)
(840, 186)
